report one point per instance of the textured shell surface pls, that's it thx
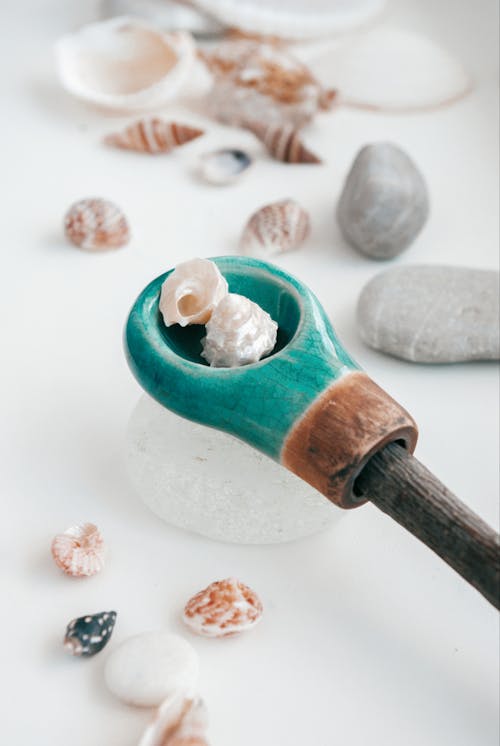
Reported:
(168, 15)
(124, 63)
(146, 669)
(239, 332)
(79, 551)
(283, 142)
(96, 224)
(224, 608)
(89, 634)
(191, 292)
(179, 721)
(224, 166)
(153, 136)
(275, 228)
(293, 19)
(262, 82)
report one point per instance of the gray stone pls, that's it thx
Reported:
(432, 314)
(384, 203)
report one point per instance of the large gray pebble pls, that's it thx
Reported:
(384, 203)
(431, 314)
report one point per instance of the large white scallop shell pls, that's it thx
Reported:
(124, 64)
(391, 69)
(239, 332)
(191, 292)
(292, 19)
(280, 226)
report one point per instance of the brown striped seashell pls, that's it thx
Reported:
(224, 608)
(153, 136)
(96, 225)
(275, 228)
(282, 142)
(79, 551)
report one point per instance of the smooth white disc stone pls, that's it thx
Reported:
(208, 482)
(147, 668)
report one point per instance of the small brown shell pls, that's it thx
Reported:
(280, 226)
(225, 608)
(96, 225)
(79, 551)
(283, 142)
(153, 136)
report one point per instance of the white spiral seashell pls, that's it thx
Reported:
(191, 292)
(239, 332)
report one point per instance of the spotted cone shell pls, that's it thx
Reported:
(283, 142)
(96, 225)
(224, 608)
(275, 228)
(153, 136)
(79, 551)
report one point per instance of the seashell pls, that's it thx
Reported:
(191, 292)
(179, 721)
(292, 19)
(89, 634)
(150, 667)
(282, 142)
(153, 136)
(79, 551)
(239, 332)
(124, 64)
(192, 728)
(224, 166)
(255, 81)
(165, 14)
(224, 608)
(96, 224)
(391, 69)
(280, 226)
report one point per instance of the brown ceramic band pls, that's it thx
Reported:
(339, 433)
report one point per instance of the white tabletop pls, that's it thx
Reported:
(367, 636)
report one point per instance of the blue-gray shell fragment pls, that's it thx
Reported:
(87, 635)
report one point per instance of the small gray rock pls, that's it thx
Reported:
(432, 314)
(384, 203)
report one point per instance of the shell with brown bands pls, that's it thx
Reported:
(283, 143)
(153, 136)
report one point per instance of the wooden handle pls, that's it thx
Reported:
(402, 487)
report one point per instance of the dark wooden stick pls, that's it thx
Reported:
(402, 487)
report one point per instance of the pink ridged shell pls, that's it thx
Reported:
(283, 143)
(153, 136)
(79, 551)
(96, 225)
(280, 226)
(225, 608)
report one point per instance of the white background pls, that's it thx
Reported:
(367, 636)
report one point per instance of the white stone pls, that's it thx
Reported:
(206, 481)
(147, 668)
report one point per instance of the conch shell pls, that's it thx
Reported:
(282, 142)
(79, 551)
(191, 292)
(280, 226)
(239, 332)
(153, 136)
(124, 64)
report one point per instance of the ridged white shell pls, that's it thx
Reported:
(292, 19)
(239, 332)
(280, 226)
(392, 69)
(191, 292)
(124, 64)
(166, 14)
(79, 551)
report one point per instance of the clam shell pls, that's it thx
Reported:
(283, 142)
(96, 224)
(275, 228)
(153, 136)
(124, 64)
(239, 332)
(165, 14)
(224, 608)
(191, 292)
(262, 82)
(292, 19)
(224, 166)
(79, 551)
(391, 69)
